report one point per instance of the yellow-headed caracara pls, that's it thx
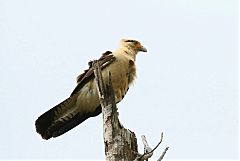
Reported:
(84, 102)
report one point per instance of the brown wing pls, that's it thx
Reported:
(106, 59)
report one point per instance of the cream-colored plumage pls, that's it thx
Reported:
(119, 73)
(86, 101)
(121, 70)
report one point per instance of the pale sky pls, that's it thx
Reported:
(187, 84)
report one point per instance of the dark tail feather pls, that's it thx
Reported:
(48, 125)
(61, 127)
(45, 121)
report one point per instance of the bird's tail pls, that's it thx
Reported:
(61, 118)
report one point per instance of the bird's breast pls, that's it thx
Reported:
(122, 72)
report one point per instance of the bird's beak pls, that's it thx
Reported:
(143, 49)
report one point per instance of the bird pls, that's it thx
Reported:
(83, 102)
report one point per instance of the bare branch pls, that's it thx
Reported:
(163, 154)
(148, 151)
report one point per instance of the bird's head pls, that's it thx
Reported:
(133, 45)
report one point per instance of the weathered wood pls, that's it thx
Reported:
(120, 143)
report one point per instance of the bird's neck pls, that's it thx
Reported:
(130, 53)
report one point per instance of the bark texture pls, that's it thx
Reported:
(120, 143)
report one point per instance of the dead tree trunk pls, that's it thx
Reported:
(120, 143)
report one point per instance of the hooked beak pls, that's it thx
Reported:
(143, 49)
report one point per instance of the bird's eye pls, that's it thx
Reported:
(130, 41)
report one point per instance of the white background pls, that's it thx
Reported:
(187, 85)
